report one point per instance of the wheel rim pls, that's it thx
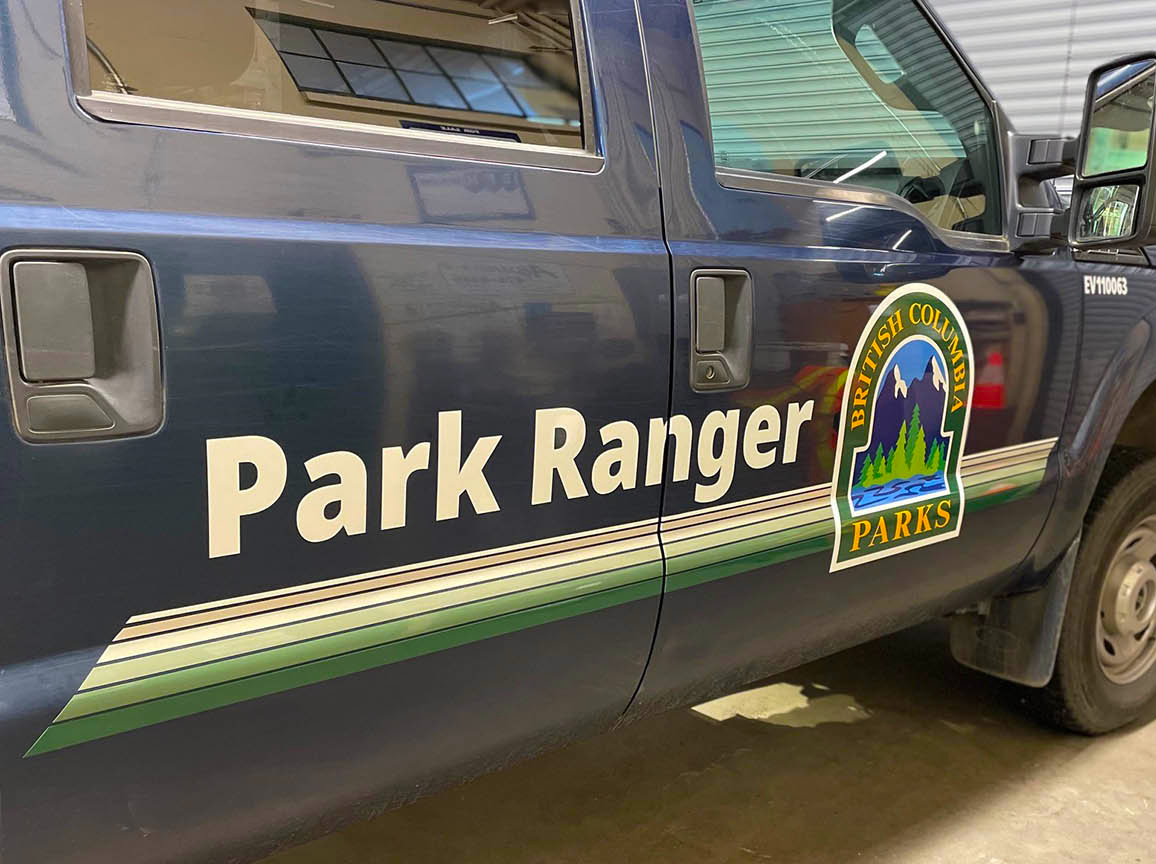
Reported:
(1126, 624)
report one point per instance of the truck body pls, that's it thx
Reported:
(378, 439)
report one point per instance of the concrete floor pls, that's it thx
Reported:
(888, 752)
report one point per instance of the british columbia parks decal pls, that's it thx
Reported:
(906, 407)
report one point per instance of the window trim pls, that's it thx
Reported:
(430, 114)
(742, 179)
(195, 116)
(745, 180)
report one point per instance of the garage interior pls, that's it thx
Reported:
(889, 752)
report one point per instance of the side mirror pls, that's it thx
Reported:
(1114, 191)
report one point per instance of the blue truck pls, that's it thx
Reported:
(397, 388)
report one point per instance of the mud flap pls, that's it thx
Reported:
(1017, 637)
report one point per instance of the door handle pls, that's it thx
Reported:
(721, 324)
(82, 343)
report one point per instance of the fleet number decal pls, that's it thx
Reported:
(1111, 285)
(906, 407)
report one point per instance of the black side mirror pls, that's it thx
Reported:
(1114, 192)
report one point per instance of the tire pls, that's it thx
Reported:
(1087, 694)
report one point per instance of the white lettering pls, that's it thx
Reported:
(655, 451)
(349, 493)
(395, 473)
(228, 502)
(682, 433)
(548, 458)
(797, 415)
(559, 437)
(720, 464)
(616, 467)
(762, 428)
(1106, 285)
(456, 477)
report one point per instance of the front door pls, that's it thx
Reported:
(879, 382)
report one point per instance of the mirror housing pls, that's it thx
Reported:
(1114, 189)
(1036, 216)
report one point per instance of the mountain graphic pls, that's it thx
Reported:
(904, 410)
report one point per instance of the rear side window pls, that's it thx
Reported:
(450, 66)
(849, 91)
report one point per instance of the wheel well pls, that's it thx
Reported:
(1139, 429)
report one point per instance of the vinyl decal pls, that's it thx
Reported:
(906, 405)
(180, 662)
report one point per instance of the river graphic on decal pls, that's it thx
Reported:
(906, 406)
(905, 457)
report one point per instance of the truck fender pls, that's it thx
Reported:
(1086, 444)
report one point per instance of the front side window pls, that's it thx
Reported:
(850, 91)
(452, 66)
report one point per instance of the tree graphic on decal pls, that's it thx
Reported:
(905, 456)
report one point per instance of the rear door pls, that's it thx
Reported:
(372, 250)
(834, 205)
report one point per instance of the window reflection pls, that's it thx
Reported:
(1121, 122)
(442, 65)
(846, 91)
(1108, 212)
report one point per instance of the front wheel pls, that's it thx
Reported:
(1105, 674)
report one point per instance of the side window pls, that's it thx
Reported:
(450, 66)
(850, 92)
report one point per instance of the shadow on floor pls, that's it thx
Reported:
(803, 785)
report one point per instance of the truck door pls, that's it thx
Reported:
(287, 285)
(833, 202)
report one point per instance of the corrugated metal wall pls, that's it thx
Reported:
(1035, 55)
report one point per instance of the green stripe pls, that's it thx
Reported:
(767, 557)
(277, 633)
(772, 537)
(708, 565)
(726, 545)
(710, 532)
(114, 722)
(193, 677)
(1028, 484)
(975, 478)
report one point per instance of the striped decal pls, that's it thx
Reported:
(171, 664)
(709, 544)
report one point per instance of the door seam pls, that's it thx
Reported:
(672, 341)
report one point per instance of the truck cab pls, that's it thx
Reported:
(395, 390)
